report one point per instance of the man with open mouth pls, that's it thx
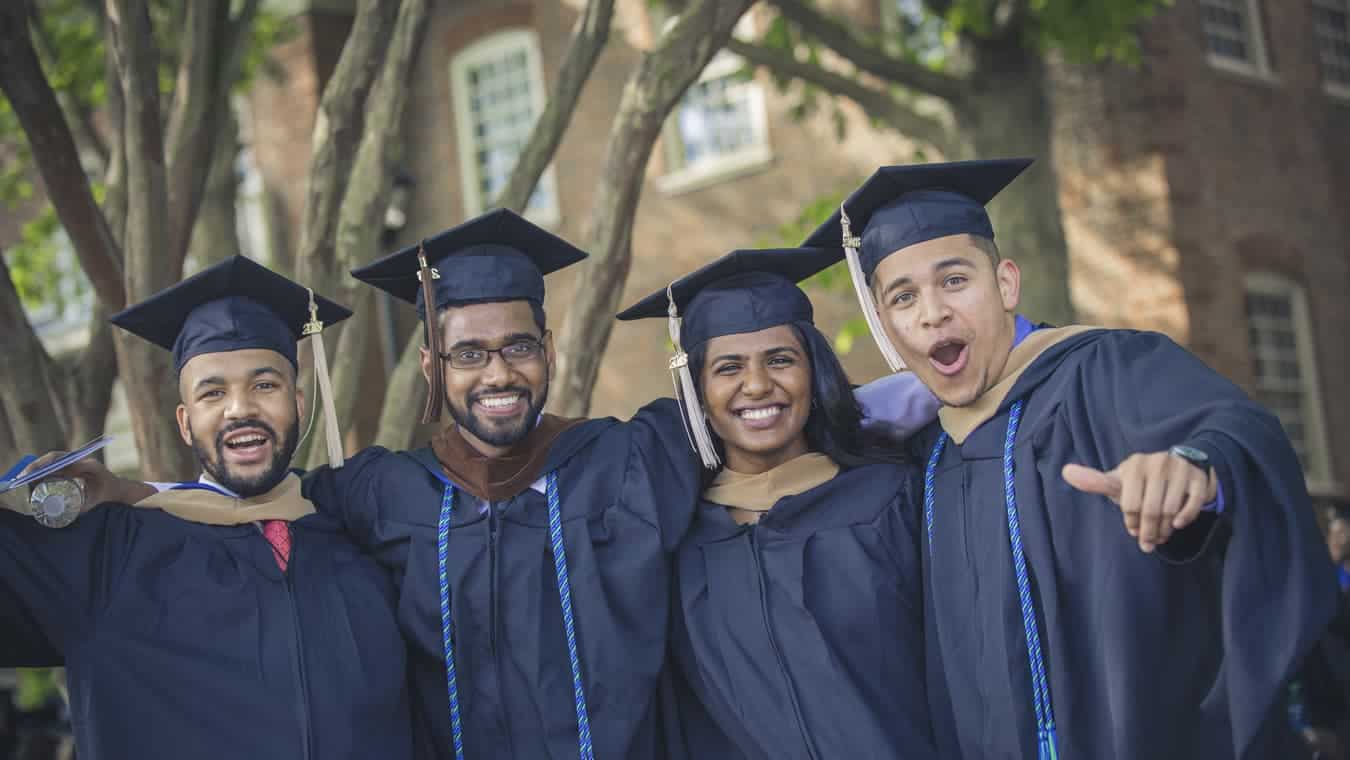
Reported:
(223, 618)
(1053, 632)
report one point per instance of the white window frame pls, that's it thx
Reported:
(486, 48)
(748, 160)
(1259, 65)
(1335, 89)
(1318, 473)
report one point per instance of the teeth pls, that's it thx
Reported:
(761, 414)
(499, 402)
(249, 440)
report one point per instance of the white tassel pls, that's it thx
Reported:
(696, 427)
(869, 305)
(332, 435)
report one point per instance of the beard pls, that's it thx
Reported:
(247, 486)
(504, 434)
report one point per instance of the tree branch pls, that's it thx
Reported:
(210, 61)
(78, 116)
(878, 104)
(361, 215)
(27, 375)
(337, 135)
(54, 152)
(869, 57)
(652, 92)
(589, 38)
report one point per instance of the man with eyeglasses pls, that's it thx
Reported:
(531, 551)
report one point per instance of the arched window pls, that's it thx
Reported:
(1285, 368)
(497, 88)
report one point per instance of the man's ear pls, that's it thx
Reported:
(427, 364)
(184, 430)
(1009, 277)
(549, 353)
(299, 405)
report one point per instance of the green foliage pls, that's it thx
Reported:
(69, 39)
(36, 688)
(1082, 30)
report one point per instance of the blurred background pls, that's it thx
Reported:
(1192, 177)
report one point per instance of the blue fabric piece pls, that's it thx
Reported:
(235, 305)
(625, 498)
(802, 636)
(496, 256)
(1215, 690)
(1343, 577)
(197, 626)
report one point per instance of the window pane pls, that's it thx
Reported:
(716, 120)
(502, 113)
(1281, 379)
(1227, 29)
(1331, 25)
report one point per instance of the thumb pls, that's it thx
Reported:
(1088, 480)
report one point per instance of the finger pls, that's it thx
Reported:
(1153, 487)
(1197, 493)
(42, 461)
(1178, 490)
(1089, 480)
(1131, 496)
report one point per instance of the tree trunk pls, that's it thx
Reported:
(363, 207)
(406, 388)
(653, 90)
(215, 236)
(56, 156)
(1008, 115)
(337, 134)
(404, 396)
(146, 370)
(28, 375)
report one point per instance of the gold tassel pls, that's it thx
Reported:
(686, 393)
(333, 436)
(869, 305)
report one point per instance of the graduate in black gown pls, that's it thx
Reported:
(798, 626)
(224, 618)
(1054, 629)
(532, 552)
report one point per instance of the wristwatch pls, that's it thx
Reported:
(1193, 455)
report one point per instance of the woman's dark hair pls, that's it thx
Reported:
(834, 426)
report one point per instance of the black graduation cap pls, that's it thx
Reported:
(743, 291)
(231, 306)
(899, 206)
(497, 256)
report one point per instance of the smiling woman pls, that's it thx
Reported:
(799, 628)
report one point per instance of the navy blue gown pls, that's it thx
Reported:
(801, 636)
(1180, 654)
(183, 640)
(626, 494)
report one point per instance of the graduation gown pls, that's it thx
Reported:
(187, 640)
(801, 636)
(626, 495)
(1183, 653)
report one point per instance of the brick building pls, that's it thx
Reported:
(1206, 192)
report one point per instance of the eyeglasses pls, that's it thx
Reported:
(516, 352)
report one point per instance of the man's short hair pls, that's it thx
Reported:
(989, 247)
(536, 309)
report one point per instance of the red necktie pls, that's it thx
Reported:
(278, 534)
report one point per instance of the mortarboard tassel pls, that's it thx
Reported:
(686, 393)
(869, 305)
(436, 393)
(333, 436)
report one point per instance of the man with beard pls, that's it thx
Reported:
(532, 553)
(228, 611)
(1054, 632)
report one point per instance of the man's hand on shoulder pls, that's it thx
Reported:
(100, 483)
(1158, 493)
